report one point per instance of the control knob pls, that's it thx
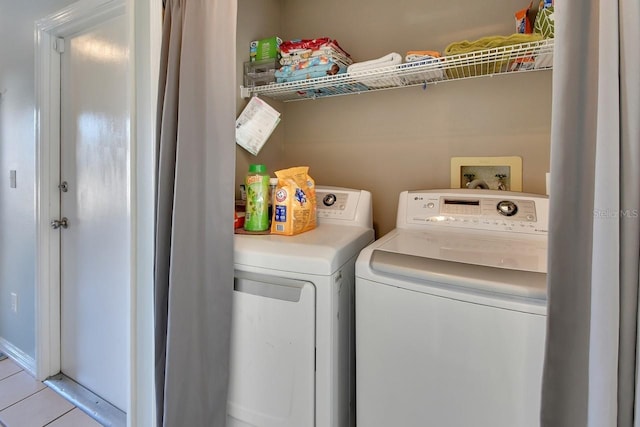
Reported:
(507, 208)
(329, 199)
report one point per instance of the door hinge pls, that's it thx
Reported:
(58, 45)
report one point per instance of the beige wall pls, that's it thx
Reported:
(402, 139)
(258, 19)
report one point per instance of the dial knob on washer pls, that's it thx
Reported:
(507, 208)
(329, 199)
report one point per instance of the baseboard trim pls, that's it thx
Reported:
(27, 362)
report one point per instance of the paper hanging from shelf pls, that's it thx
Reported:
(255, 125)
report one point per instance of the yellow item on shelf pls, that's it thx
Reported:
(490, 42)
(494, 65)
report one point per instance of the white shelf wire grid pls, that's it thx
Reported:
(532, 56)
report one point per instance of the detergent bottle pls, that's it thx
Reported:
(257, 208)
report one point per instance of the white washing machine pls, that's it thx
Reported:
(292, 338)
(451, 312)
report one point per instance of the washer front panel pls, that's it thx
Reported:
(425, 360)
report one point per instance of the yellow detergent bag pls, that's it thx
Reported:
(294, 207)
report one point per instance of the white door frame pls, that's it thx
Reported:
(144, 48)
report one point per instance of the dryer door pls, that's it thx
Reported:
(272, 377)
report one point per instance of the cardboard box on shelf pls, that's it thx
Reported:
(268, 48)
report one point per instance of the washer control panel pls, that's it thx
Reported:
(474, 209)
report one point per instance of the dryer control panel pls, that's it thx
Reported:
(344, 206)
(474, 209)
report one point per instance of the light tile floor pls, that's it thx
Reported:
(26, 402)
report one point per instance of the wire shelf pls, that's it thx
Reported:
(533, 56)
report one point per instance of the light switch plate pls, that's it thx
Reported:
(12, 179)
(14, 302)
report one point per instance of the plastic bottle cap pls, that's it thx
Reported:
(257, 168)
(273, 181)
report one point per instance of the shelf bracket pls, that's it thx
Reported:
(244, 92)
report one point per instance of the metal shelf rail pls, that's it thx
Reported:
(533, 56)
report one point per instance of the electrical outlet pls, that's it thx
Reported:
(14, 302)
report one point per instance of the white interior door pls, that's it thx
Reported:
(95, 248)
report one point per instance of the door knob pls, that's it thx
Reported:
(57, 223)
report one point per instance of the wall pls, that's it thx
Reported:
(402, 139)
(17, 152)
(255, 19)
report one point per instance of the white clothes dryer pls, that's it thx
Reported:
(451, 312)
(292, 338)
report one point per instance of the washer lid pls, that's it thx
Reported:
(487, 263)
(490, 249)
(321, 251)
(471, 278)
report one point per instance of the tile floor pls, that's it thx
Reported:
(26, 402)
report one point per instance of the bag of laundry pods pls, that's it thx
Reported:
(294, 204)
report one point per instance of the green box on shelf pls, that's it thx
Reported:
(265, 49)
(545, 22)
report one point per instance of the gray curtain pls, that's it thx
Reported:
(590, 372)
(195, 192)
